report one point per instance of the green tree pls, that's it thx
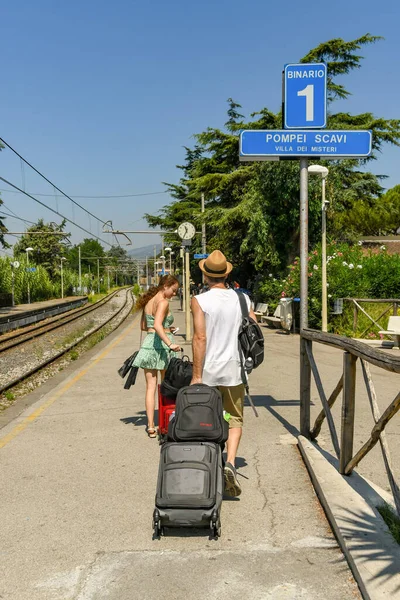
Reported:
(90, 250)
(116, 253)
(47, 247)
(252, 209)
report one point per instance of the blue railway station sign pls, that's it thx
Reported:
(273, 144)
(305, 96)
(198, 256)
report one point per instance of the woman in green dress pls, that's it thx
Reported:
(158, 345)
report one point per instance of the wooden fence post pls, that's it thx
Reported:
(348, 410)
(355, 317)
(305, 388)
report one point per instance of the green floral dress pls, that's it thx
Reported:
(154, 354)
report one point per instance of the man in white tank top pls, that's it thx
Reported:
(216, 362)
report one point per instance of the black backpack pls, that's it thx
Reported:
(198, 416)
(251, 339)
(178, 375)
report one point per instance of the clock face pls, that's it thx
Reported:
(186, 231)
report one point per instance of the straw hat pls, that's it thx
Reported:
(215, 265)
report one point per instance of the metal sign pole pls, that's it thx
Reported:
(324, 286)
(305, 370)
(303, 243)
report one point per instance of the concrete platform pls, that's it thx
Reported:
(78, 477)
(12, 317)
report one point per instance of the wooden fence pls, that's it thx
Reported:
(357, 308)
(353, 350)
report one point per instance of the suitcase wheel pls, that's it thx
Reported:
(158, 530)
(215, 525)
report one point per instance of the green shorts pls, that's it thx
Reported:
(233, 401)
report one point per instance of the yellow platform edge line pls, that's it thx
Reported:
(32, 417)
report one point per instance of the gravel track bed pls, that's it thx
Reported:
(17, 361)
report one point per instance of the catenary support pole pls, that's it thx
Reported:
(80, 270)
(98, 276)
(62, 279)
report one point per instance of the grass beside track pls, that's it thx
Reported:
(391, 519)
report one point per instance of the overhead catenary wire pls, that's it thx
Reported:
(54, 211)
(14, 216)
(95, 197)
(48, 181)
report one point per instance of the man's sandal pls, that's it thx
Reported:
(152, 432)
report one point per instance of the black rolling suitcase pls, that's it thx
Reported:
(190, 487)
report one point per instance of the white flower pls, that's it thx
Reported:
(329, 295)
(344, 263)
(274, 279)
(383, 247)
(359, 266)
(327, 285)
(315, 267)
(351, 266)
(269, 274)
(360, 243)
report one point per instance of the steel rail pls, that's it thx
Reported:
(47, 362)
(23, 336)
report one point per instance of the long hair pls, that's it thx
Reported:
(165, 281)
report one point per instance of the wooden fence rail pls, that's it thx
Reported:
(394, 304)
(353, 351)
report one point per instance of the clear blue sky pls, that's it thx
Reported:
(102, 97)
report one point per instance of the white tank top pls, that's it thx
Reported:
(222, 312)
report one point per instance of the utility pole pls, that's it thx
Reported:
(147, 273)
(98, 276)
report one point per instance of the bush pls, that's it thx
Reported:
(41, 286)
(137, 290)
(351, 273)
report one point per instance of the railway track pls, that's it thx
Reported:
(11, 340)
(8, 347)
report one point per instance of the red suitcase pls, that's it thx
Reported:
(166, 406)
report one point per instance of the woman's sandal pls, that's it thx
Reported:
(152, 432)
